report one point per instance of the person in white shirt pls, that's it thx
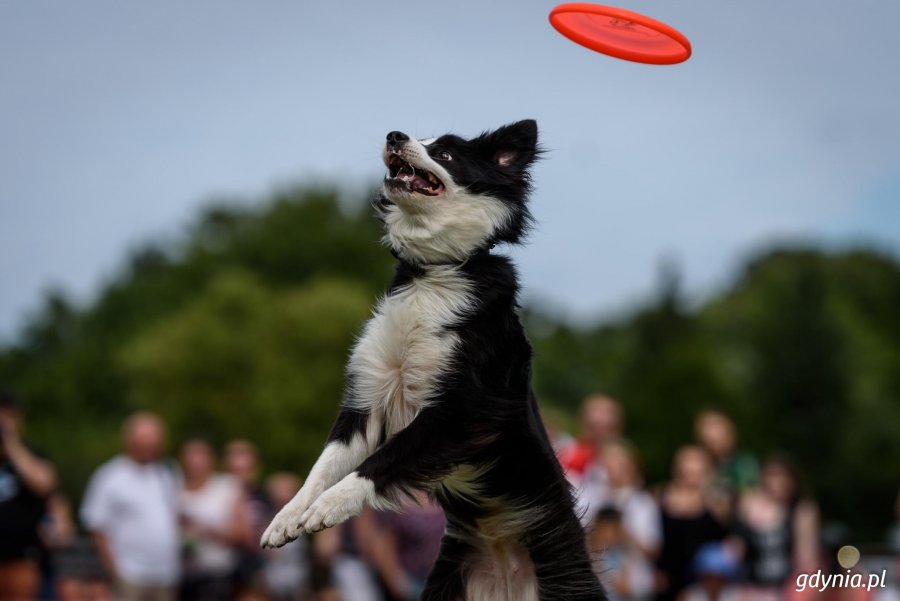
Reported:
(131, 510)
(215, 522)
(286, 573)
(641, 524)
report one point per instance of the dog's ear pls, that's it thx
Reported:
(514, 146)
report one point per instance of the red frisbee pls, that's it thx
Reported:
(620, 33)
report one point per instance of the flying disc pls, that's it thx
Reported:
(620, 33)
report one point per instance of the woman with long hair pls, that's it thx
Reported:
(777, 528)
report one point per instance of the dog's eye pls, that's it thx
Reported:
(443, 155)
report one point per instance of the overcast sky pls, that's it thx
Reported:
(119, 119)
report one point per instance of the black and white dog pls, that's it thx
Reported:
(438, 395)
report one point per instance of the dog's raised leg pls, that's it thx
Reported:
(348, 445)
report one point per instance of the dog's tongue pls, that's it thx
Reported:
(414, 181)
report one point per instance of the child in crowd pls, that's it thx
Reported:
(618, 563)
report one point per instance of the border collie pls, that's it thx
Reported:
(438, 394)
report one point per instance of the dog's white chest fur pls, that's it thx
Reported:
(405, 347)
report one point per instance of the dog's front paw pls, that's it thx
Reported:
(284, 528)
(339, 503)
(287, 525)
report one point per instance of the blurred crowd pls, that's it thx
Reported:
(725, 526)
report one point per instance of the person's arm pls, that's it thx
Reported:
(37, 474)
(643, 525)
(97, 516)
(59, 530)
(101, 545)
(240, 532)
(806, 536)
(383, 556)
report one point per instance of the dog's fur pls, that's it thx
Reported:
(438, 393)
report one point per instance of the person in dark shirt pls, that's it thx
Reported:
(688, 521)
(26, 480)
(777, 528)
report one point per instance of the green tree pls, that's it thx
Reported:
(241, 360)
(240, 326)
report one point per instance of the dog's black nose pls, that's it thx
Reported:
(395, 137)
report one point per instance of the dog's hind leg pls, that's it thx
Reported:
(446, 582)
(562, 567)
(350, 442)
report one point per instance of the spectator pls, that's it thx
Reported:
(342, 558)
(409, 543)
(778, 528)
(618, 563)
(286, 571)
(131, 510)
(57, 533)
(26, 481)
(624, 492)
(215, 525)
(688, 521)
(717, 570)
(601, 421)
(735, 470)
(242, 462)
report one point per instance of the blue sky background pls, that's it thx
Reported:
(118, 120)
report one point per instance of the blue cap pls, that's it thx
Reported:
(714, 559)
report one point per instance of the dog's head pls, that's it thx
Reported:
(446, 198)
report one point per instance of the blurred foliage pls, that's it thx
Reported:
(803, 350)
(243, 360)
(242, 328)
(245, 321)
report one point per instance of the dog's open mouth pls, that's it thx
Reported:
(402, 174)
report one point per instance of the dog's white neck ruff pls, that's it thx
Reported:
(443, 230)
